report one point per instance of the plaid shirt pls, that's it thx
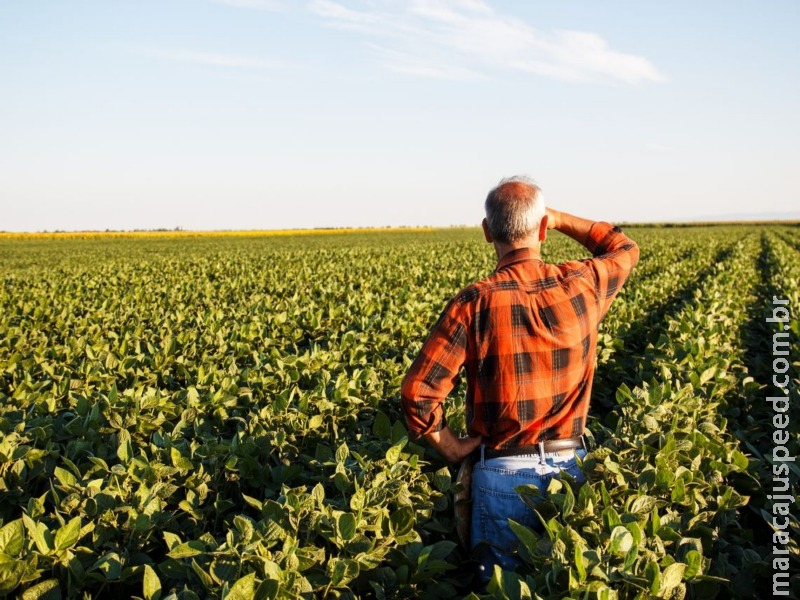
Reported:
(527, 337)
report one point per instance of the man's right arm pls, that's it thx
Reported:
(615, 254)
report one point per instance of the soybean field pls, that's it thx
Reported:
(218, 417)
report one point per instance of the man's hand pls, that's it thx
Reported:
(453, 449)
(575, 227)
(552, 217)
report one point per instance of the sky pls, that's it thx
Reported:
(272, 114)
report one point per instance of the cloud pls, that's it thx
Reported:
(214, 59)
(467, 39)
(271, 5)
(402, 62)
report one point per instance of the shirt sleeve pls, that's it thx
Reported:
(614, 256)
(432, 375)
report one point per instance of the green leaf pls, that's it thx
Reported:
(187, 550)
(621, 540)
(109, 565)
(205, 578)
(245, 528)
(636, 532)
(11, 573)
(655, 522)
(694, 565)
(124, 450)
(358, 500)
(587, 497)
(653, 575)
(402, 521)
(740, 460)
(569, 501)
(442, 480)
(642, 504)
(611, 518)
(398, 432)
(224, 569)
(630, 557)
(42, 537)
(506, 585)
(393, 453)
(46, 590)
(342, 452)
(381, 427)
(440, 550)
(257, 504)
(68, 535)
(341, 481)
(346, 525)
(678, 491)
(243, 589)
(525, 535)
(708, 375)
(580, 563)
(318, 493)
(64, 477)
(179, 461)
(672, 576)
(12, 538)
(151, 584)
(664, 478)
(342, 570)
(171, 539)
(604, 495)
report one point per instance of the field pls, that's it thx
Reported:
(186, 417)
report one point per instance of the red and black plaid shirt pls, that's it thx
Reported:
(527, 337)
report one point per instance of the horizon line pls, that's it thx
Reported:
(181, 232)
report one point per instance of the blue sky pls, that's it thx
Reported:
(273, 114)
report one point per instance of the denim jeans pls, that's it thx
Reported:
(494, 501)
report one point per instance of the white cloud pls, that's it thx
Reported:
(272, 5)
(214, 59)
(343, 17)
(402, 62)
(468, 38)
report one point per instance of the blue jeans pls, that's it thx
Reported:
(494, 501)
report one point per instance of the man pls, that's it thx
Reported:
(527, 337)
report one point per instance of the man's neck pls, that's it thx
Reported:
(535, 246)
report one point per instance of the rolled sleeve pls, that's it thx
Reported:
(432, 375)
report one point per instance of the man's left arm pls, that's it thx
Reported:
(428, 382)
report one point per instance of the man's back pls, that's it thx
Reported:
(527, 337)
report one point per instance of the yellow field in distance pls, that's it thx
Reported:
(73, 235)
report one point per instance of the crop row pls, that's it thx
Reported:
(763, 425)
(640, 310)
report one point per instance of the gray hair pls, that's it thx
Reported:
(514, 209)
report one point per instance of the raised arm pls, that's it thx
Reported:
(614, 253)
(577, 228)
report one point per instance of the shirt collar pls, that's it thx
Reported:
(516, 256)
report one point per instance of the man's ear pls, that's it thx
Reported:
(486, 233)
(543, 228)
